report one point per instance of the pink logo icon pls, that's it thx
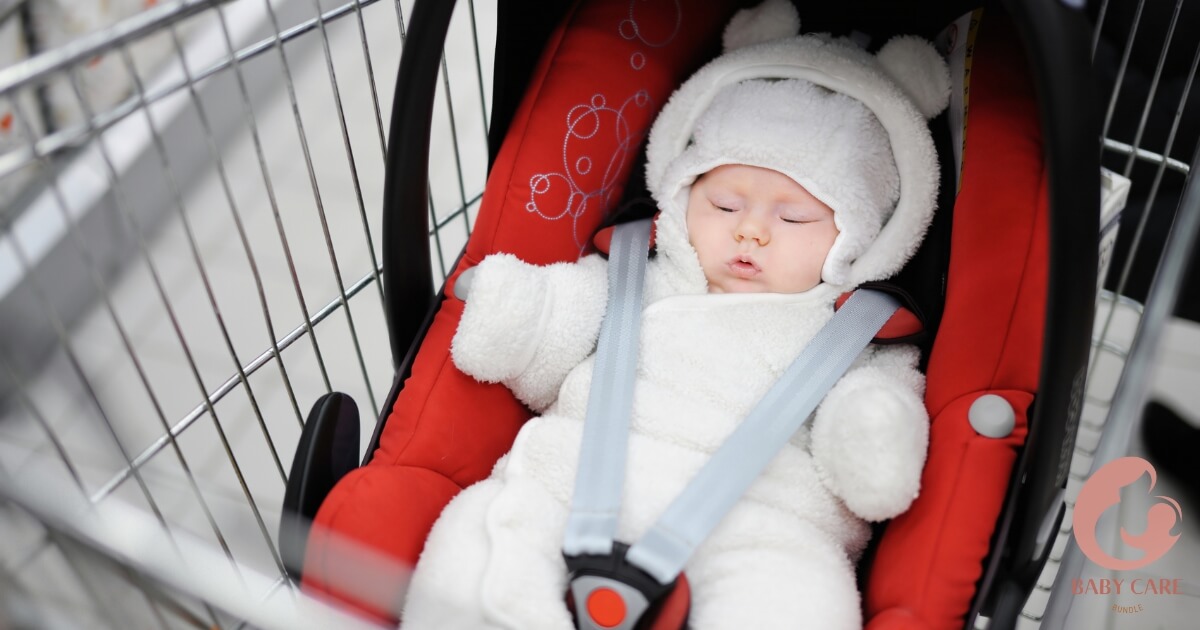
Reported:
(1101, 492)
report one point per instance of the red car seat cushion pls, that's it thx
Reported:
(568, 153)
(930, 558)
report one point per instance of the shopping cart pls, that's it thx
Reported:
(145, 449)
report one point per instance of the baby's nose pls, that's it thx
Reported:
(751, 227)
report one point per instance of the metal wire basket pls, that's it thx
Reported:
(188, 257)
(189, 261)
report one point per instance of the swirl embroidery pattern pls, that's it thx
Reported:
(570, 192)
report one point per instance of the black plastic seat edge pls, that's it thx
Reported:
(328, 449)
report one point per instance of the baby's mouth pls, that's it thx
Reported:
(744, 267)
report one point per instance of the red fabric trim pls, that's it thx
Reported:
(602, 241)
(674, 611)
(901, 325)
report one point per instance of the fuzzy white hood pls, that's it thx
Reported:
(901, 86)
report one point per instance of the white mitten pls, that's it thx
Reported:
(869, 439)
(527, 325)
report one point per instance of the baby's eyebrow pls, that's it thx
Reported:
(807, 210)
(724, 198)
(794, 208)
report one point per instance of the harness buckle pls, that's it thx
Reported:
(605, 592)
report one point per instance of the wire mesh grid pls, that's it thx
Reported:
(247, 223)
(190, 257)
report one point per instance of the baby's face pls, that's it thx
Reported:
(757, 230)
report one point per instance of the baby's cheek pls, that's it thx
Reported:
(702, 251)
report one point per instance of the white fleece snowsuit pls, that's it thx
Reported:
(786, 551)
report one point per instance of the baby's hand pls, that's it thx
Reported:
(869, 440)
(527, 326)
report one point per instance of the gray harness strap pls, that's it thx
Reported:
(665, 548)
(592, 522)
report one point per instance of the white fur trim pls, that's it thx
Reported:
(839, 66)
(773, 19)
(920, 70)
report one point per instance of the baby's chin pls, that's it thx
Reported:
(739, 285)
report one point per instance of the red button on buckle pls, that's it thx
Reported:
(606, 607)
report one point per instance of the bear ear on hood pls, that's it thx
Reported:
(910, 61)
(773, 19)
(919, 70)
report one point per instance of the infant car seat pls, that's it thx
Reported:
(1005, 279)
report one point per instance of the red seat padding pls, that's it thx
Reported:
(343, 564)
(563, 166)
(902, 326)
(930, 558)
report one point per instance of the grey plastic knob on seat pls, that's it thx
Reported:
(462, 286)
(991, 416)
